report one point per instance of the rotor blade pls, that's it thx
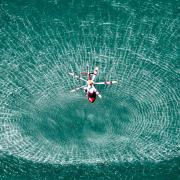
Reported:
(97, 93)
(76, 89)
(107, 82)
(84, 73)
(77, 77)
(88, 74)
(95, 73)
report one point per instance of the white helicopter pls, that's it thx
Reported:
(89, 88)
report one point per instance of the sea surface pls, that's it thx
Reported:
(133, 132)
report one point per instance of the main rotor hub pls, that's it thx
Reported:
(90, 82)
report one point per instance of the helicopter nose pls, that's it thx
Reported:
(91, 100)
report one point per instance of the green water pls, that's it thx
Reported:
(133, 132)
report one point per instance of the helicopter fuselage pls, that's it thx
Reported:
(91, 97)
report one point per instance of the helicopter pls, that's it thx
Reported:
(89, 88)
